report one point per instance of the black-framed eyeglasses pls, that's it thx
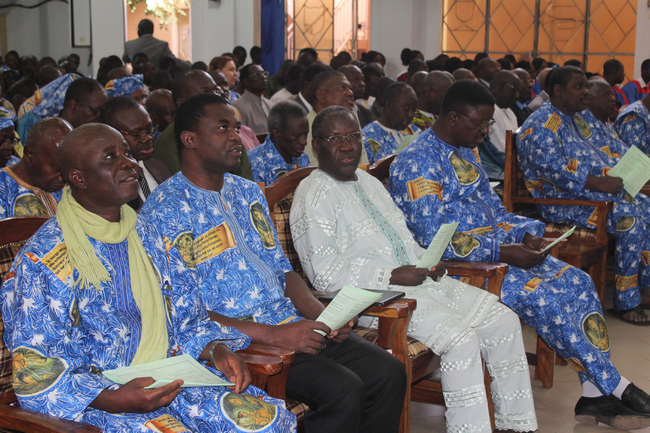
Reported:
(482, 126)
(514, 89)
(13, 141)
(142, 134)
(93, 109)
(262, 73)
(354, 137)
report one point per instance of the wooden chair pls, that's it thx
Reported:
(394, 319)
(587, 248)
(14, 232)
(261, 138)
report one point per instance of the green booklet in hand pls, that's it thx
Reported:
(166, 371)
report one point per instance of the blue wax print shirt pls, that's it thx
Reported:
(62, 336)
(229, 242)
(434, 183)
(557, 152)
(268, 165)
(633, 126)
(605, 137)
(380, 142)
(19, 199)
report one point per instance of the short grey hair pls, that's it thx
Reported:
(281, 113)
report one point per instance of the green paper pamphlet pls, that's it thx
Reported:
(349, 302)
(437, 247)
(558, 240)
(634, 169)
(168, 370)
(405, 142)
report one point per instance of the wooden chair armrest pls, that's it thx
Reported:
(564, 202)
(287, 356)
(25, 420)
(395, 310)
(261, 364)
(472, 269)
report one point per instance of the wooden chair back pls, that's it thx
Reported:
(380, 169)
(261, 138)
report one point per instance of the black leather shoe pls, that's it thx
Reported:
(611, 411)
(635, 398)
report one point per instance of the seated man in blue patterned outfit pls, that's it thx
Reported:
(91, 291)
(633, 124)
(562, 156)
(384, 136)
(599, 115)
(32, 186)
(221, 225)
(438, 179)
(284, 148)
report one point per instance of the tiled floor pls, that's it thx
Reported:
(630, 353)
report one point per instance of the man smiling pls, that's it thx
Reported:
(284, 148)
(130, 118)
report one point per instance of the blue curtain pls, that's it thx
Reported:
(273, 49)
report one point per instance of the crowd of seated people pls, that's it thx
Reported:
(160, 242)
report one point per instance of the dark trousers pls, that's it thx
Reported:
(354, 386)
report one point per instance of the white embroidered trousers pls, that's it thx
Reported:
(462, 323)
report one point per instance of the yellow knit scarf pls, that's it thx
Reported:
(77, 224)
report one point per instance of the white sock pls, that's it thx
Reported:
(590, 390)
(618, 392)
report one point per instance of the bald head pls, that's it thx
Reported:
(541, 77)
(434, 88)
(192, 83)
(39, 166)
(117, 73)
(82, 142)
(505, 88)
(161, 108)
(464, 74)
(355, 77)
(526, 87)
(487, 68)
(417, 81)
(47, 132)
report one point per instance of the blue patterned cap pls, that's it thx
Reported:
(49, 98)
(6, 119)
(124, 86)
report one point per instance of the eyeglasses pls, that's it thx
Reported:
(514, 89)
(93, 109)
(142, 134)
(482, 126)
(262, 73)
(13, 141)
(354, 138)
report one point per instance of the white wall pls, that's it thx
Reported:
(43, 31)
(398, 24)
(217, 27)
(107, 18)
(642, 49)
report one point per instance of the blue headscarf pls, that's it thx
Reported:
(124, 86)
(49, 98)
(6, 119)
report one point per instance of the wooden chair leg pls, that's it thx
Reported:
(545, 364)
